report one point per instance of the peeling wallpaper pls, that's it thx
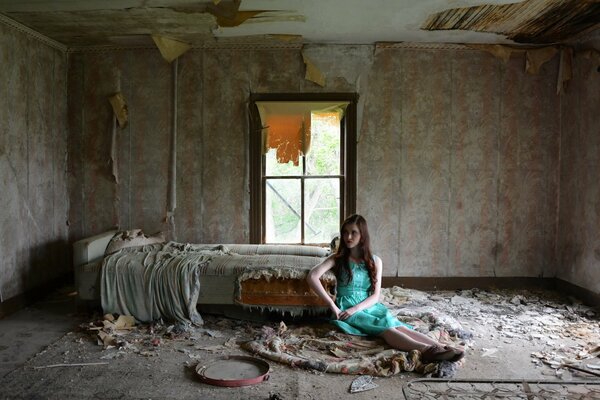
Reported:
(467, 166)
(457, 152)
(33, 155)
(579, 219)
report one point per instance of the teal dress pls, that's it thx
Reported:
(371, 321)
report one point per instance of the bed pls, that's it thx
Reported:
(253, 276)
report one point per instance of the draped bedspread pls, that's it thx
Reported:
(156, 281)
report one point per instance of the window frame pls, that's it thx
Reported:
(257, 159)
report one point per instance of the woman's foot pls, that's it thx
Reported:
(458, 353)
(437, 353)
(441, 353)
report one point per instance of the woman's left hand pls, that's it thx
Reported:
(346, 313)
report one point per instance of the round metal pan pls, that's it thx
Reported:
(234, 371)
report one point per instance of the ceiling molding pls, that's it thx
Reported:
(103, 48)
(207, 46)
(32, 33)
(283, 46)
(421, 46)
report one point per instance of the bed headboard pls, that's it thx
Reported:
(91, 249)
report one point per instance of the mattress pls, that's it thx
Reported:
(250, 275)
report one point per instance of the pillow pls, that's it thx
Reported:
(132, 238)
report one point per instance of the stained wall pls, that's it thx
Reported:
(579, 219)
(464, 178)
(457, 152)
(34, 201)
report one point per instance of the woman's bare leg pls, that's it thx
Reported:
(417, 336)
(406, 339)
(401, 341)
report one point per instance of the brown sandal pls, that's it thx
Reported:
(442, 353)
(458, 353)
(437, 353)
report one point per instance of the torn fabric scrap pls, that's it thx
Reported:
(565, 69)
(538, 57)
(169, 48)
(119, 106)
(313, 73)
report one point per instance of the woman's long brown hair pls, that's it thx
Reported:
(341, 258)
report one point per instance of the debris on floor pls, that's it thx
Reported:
(534, 316)
(527, 336)
(537, 316)
(121, 335)
(362, 384)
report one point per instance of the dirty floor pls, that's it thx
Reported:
(50, 351)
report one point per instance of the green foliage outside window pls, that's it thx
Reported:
(321, 200)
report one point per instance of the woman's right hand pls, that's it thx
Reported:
(336, 311)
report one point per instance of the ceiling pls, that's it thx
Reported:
(76, 23)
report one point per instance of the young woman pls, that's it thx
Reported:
(357, 309)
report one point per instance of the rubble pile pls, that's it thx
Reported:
(566, 331)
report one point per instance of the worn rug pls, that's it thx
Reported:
(322, 348)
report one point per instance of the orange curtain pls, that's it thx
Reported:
(286, 126)
(287, 134)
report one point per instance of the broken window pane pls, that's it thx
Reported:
(321, 209)
(282, 211)
(323, 157)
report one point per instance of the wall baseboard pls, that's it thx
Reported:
(31, 296)
(457, 283)
(586, 296)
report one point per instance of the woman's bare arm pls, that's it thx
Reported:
(314, 281)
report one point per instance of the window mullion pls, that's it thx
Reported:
(302, 199)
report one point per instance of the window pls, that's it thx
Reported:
(302, 166)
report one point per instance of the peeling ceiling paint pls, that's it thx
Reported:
(80, 28)
(532, 21)
(76, 23)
